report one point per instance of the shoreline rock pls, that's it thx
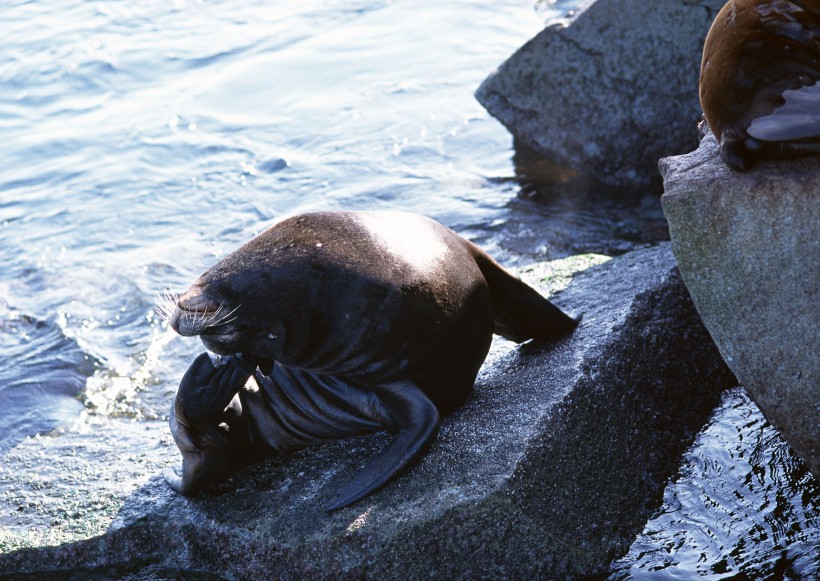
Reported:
(550, 469)
(605, 95)
(748, 246)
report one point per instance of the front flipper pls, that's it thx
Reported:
(207, 455)
(798, 118)
(414, 419)
(203, 408)
(209, 385)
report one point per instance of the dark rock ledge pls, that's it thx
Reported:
(550, 470)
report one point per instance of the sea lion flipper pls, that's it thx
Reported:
(798, 118)
(414, 419)
(202, 461)
(177, 482)
(205, 401)
(209, 385)
(520, 312)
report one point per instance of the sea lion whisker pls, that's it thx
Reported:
(166, 303)
(204, 319)
(207, 317)
(225, 319)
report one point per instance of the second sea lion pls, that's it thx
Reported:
(759, 80)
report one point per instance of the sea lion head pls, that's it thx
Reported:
(229, 306)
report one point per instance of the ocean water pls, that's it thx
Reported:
(742, 506)
(144, 140)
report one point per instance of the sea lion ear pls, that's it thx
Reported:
(407, 412)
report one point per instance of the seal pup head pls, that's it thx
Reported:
(760, 80)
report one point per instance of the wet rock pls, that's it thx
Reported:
(605, 95)
(549, 470)
(748, 247)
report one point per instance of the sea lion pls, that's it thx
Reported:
(384, 316)
(759, 78)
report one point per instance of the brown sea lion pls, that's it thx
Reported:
(759, 78)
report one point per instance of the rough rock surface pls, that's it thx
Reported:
(549, 470)
(606, 95)
(748, 246)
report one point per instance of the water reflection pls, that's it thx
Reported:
(743, 506)
(42, 376)
(559, 224)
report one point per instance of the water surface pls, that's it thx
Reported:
(742, 506)
(144, 140)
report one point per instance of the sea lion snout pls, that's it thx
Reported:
(197, 311)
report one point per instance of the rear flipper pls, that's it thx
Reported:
(414, 419)
(520, 312)
(796, 120)
(791, 130)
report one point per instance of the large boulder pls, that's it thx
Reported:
(748, 246)
(549, 470)
(607, 94)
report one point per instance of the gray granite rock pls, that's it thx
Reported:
(607, 94)
(748, 246)
(549, 470)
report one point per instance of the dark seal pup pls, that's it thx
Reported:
(759, 78)
(384, 317)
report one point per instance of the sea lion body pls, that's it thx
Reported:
(389, 304)
(759, 80)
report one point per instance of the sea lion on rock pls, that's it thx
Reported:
(760, 80)
(348, 322)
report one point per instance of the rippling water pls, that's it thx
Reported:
(742, 507)
(143, 140)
